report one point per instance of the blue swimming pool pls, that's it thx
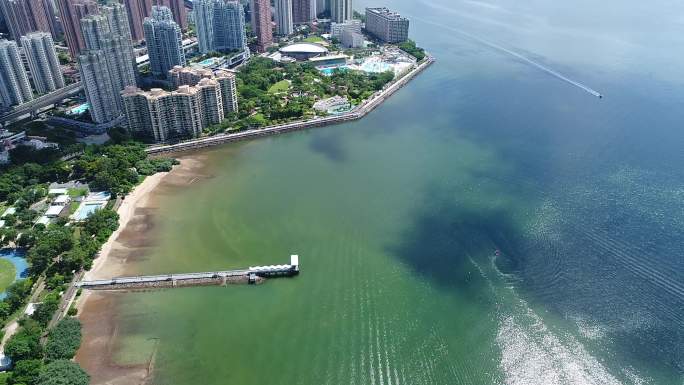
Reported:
(329, 70)
(86, 209)
(81, 108)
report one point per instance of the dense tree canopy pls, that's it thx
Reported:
(258, 107)
(26, 372)
(64, 340)
(101, 224)
(410, 47)
(25, 344)
(63, 372)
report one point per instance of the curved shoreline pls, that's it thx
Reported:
(359, 112)
(101, 267)
(98, 311)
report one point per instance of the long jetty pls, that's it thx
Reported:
(253, 275)
(357, 113)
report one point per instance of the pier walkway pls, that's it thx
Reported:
(253, 274)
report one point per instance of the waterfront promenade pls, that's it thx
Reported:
(357, 113)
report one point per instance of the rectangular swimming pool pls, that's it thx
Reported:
(86, 209)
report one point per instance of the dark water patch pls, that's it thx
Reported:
(329, 144)
(446, 237)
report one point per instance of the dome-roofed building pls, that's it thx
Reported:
(303, 51)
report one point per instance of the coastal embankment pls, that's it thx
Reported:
(357, 113)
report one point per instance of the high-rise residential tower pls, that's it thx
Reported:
(341, 10)
(40, 53)
(220, 25)
(261, 23)
(283, 17)
(192, 76)
(203, 12)
(107, 65)
(164, 41)
(25, 16)
(226, 80)
(118, 20)
(137, 11)
(322, 6)
(177, 7)
(164, 115)
(386, 25)
(303, 11)
(14, 83)
(97, 84)
(71, 12)
(229, 26)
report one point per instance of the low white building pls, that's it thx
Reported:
(332, 105)
(58, 191)
(54, 211)
(351, 39)
(336, 29)
(62, 200)
(9, 211)
(43, 220)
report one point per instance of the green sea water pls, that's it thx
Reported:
(489, 224)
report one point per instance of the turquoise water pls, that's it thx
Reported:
(376, 67)
(207, 62)
(330, 70)
(491, 223)
(86, 209)
(81, 108)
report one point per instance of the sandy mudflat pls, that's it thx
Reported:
(132, 241)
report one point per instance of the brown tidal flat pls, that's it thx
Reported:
(133, 242)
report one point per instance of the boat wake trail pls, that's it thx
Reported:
(523, 58)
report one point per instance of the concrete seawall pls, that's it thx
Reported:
(358, 113)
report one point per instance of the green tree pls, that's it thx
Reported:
(101, 224)
(17, 293)
(46, 309)
(26, 372)
(5, 310)
(25, 345)
(63, 372)
(64, 340)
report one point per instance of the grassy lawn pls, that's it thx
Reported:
(7, 274)
(281, 86)
(314, 39)
(73, 206)
(77, 192)
(3, 378)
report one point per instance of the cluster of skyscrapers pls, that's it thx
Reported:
(107, 64)
(100, 36)
(291, 12)
(45, 73)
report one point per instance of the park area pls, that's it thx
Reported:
(7, 274)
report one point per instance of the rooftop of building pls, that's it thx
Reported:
(386, 12)
(310, 48)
